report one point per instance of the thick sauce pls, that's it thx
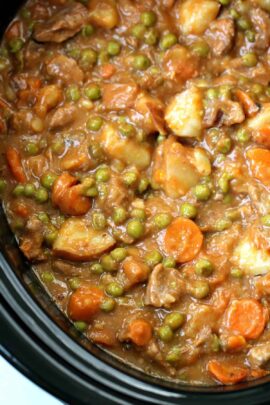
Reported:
(135, 173)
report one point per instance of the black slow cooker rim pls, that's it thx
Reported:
(41, 350)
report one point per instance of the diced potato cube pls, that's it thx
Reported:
(250, 259)
(260, 125)
(184, 113)
(103, 13)
(127, 150)
(77, 241)
(178, 168)
(194, 16)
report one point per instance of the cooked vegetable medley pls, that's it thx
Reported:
(135, 173)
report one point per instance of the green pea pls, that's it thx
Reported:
(222, 225)
(224, 2)
(87, 30)
(225, 92)
(126, 129)
(114, 289)
(43, 217)
(93, 92)
(165, 333)
(188, 210)
(265, 220)
(32, 148)
(174, 355)
(80, 326)
(103, 174)
(215, 343)
(249, 59)
(138, 213)
(243, 24)
(47, 180)
(91, 192)
(161, 138)
(114, 48)
(212, 94)
(94, 123)
(96, 151)
(200, 289)
(3, 185)
(224, 145)
(138, 31)
(169, 262)
(51, 236)
(200, 48)
(167, 41)
(15, 45)
(202, 192)
(108, 263)
(242, 136)
(233, 214)
(162, 220)
(96, 268)
(234, 14)
(102, 190)
(141, 62)
(29, 190)
(143, 185)
(257, 89)
(129, 178)
(41, 195)
(73, 93)
(153, 258)
(88, 58)
(135, 228)
(236, 273)
(119, 254)
(204, 267)
(74, 53)
(74, 283)
(250, 35)
(58, 147)
(18, 190)
(224, 183)
(103, 57)
(148, 18)
(107, 305)
(119, 215)
(18, 224)
(47, 276)
(99, 221)
(25, 13)
(151, 37)
(174, 320)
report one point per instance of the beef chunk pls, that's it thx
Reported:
(31, 243)
(119, 96)
(220, 36)
(66, 69)
(63, 25)
(261, 22)
(63, 116)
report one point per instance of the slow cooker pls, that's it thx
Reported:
(41, 343)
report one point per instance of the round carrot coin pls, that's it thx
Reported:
(140, 332)
(226, 373)
(84, 303)
(259, 160)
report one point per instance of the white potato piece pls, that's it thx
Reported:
(103, 13)
(194, 16)
(250, 259)
(127, 150)
(77, 241)
(260, 126)
(178, 168)
(184, 113)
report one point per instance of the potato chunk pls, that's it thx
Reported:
(195, 16)
(184, 113)
(260, 126)
(127, 150)
(252, 260)
(77, 241)
(103, 13)
(178, 168)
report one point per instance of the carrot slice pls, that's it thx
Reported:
(259, 160)
(246, 317)
(235, 343)
(15, 164)
(226, 373)
(140, 332)
(183, 239)
(21, 210)
(107, 70)
(249, 106)
(84, 303)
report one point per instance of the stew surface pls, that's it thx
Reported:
(135, 173)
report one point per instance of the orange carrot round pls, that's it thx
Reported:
(183, 239)
(140, 332)
(235, 343)
(246, 317)
(226, 373)
(15, 164)
(259, 160)
(84, 303)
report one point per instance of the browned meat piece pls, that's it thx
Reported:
(31, 243)
(63, 116)
(102, 336)
(223, 112)
(261, 22)
(21, 120)
(152, 112)
(164, 288)
(134, 271)
(180, 64)
(66, 69)
(67, 269)
(259, 355)
(64, 24)
(220, 36)
(117, 195)
(119, 96)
